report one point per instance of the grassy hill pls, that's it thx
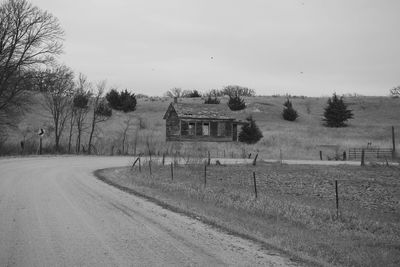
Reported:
(302, 139)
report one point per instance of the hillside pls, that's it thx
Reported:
(302, 139)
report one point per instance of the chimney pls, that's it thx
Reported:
(175, 99)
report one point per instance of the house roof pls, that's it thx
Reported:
(202, 111)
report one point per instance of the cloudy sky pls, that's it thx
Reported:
(305, 47)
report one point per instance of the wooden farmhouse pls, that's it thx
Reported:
(200, 122)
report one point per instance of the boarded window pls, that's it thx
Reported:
(214, 128)
(199, 129)
(206, 128)
(184, 128)
(191, 128)
(228, 129)
(221, 129)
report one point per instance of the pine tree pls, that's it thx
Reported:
(289, 113)
(336, 112)
(236, 103)
(250, 132)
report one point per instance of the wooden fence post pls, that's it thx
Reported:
(255, 159)
(394, 144)
(150, 167)
(172, 171)
(320, 155)
(163, 158)
(140, 165)
(205, 175)
(337, 199)
(362, 157)
(209, 158)
(40, 145)
(255, 183)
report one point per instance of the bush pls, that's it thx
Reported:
(236, 103)
(289, 113)
(103, 110)
(236, 90)
(336, 112)
(81, 100)
(124, 101)
(191, 94)
(250, 133)
(211, 100)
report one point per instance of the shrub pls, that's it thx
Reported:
(236, 90)
(336, 112)
(212, 100)
(250, 133)
(124, 101)
(103, 110)
(191, 93)
(289, 113)
(236, 103)
(81, 100)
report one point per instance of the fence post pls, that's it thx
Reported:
(362, 157)
(140, 165)
(150, 167)
(280, 156)
(320, 155)
(205, 175)
(255, 159)
(394, 144)
(209, 158)
(163, 158)
(40, 145)
(337, 199)
(344, 156)
(255, 183)
(172, 171)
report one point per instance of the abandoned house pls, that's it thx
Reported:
(200, 122)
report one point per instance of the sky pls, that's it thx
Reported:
(305, 47)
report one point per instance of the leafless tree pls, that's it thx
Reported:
(395, 91)
(57, 86)
(29, 40)
(101, 111)
(174, 92)
(125, 130)
(81, 107)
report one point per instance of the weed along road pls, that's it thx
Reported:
(54, 212)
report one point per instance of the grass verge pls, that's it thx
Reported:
(294, 211)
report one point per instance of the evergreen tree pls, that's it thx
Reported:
(236, 103)
(336, 112)
(289, 113)
(124, 101)
(250, 133)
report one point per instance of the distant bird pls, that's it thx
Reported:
(301, 72)
(212, 57)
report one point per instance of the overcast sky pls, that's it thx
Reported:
(304, 47)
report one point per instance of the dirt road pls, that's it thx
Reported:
(54, 212)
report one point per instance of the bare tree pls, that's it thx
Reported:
(29, 40)
(395, 91)
(57, 86)
(174, 92)
(101, 111)
(127, 125)
(81, 107)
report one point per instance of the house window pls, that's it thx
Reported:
(206, 128)
(191, 128)
(221, 129)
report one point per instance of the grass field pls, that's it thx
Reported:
(302, 139)
(295, 210)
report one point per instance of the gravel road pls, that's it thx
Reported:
(54, 212)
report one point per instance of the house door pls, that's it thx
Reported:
(234, 132)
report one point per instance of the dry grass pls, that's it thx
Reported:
(295, 208)
(374, 117)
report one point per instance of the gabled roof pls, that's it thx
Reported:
(201, 111)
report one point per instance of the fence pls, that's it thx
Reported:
(331, 189)
(374, 152)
